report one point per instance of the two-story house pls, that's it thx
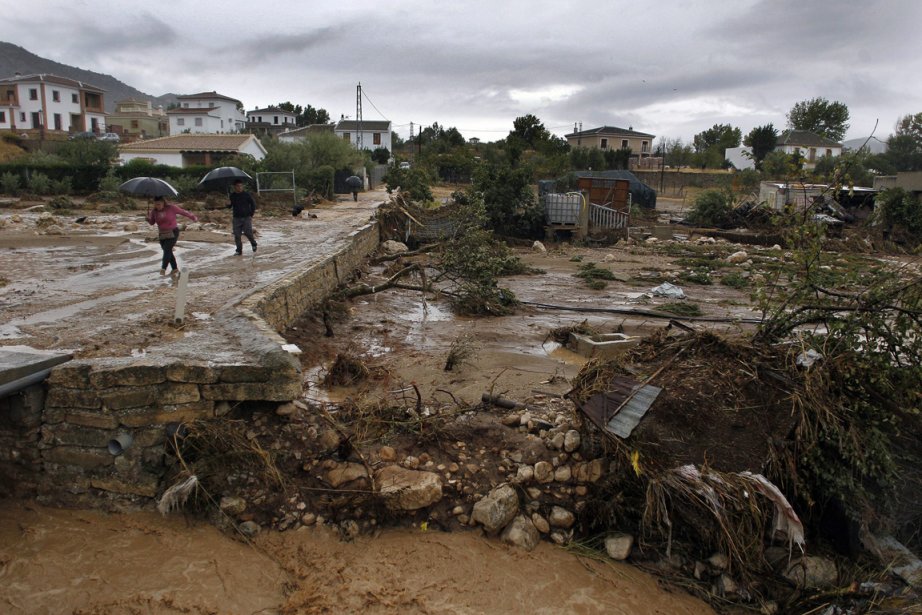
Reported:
(47, 103)
(206, 112)
(368, 134)
(138, 119)
(809, 145)
(612, 137)
(271, 120)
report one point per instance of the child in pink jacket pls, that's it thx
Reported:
(164, 216)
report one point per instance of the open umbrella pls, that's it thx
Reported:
(222, 177)
(354, 182)
(148, 187)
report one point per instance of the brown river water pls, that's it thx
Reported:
(79, 561)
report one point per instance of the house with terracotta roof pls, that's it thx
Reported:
(208, 113)
(368, 134)
(613, 138)
(45, 103)
(810, 146)
(192, 149)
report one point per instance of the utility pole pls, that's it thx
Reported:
(359, 141)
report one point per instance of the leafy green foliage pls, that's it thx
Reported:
(761, 140)
(701, 275)
(9, 183)
(88, 152)
(819, 116)
(711, 144)
(901, 211)
(305, 116)
(734, 280)
(711, 208)
(680, 308)
(39, 183)
(509, 200)
(381, 155)
(415, 182)
(594, 276)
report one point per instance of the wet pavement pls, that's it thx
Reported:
(95, 289)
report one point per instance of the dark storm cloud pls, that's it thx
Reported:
(280, 46)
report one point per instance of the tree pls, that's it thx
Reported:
(381, 155)
(529, 130)
(711, 144)
(904, 149)
(761, 140)
(305, 116)
(819, 116)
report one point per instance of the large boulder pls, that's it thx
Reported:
(496, 509)
(812, 572)
(521, 533)
(404, 489)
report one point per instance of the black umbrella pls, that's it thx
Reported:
(148, 186)
(355, 182)
(222, 177)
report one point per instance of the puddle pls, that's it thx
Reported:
(562, 353)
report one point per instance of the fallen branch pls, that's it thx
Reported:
(642, 312)
(365, 289)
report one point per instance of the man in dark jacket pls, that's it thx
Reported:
(243, 206)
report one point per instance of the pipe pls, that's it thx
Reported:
(21, 383)
(120, 443)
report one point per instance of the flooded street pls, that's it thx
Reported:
(89, 562)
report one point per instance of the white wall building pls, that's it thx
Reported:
(192, 149)
(810, 146)
(370, 135)
(208, 113)
(272, 116)
(740, 157)
(50, 103)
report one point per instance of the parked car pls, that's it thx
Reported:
(81, 135)
(112, 137)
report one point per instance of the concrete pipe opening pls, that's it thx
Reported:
(120, 443)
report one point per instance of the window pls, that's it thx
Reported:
(624, 144)
(75, 98)
(185, 105)
(811, 156)
(198, 121)
(3, 117)
(347, 136)
(10, 95)
(644, 146)
(603, 144)
(376, 139)
(33, 94)
(134, 123)
(22, 116)
(58, 125)
(275, 119)
(181, 121)
(55, 96)
(828, 152)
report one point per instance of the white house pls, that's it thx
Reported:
(50, 103)
(206, 112)
(370, 134)
(810, 146)
(271, 120)
(740, 157)
(192, 149)
(303, 133)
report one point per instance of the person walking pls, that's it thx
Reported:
(243, 206)
(164, 215)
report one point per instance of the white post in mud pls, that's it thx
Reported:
(179, 316)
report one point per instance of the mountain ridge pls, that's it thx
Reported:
(15, 59)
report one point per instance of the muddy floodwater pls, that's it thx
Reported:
(64, 561)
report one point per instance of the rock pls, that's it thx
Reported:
(410, 462)
(563, 474)
(561, 517)
(726, 586)
(618, 546)
(776, 247)
(394, 247)
(387, 453)
(495, 510)
(524, 474)
(559, 537)
(540, 523)
(345, 473)
(556, 442)
(457, 510)
(525, 419)
(329, 439)
(249, 528)
(777, 557)
(718, 561)
(738, 257)
(571, 441)
(512, 420)
(286, 409)
(131, 227)
(538, 247)
(404, 489)
(812, 572)
(348, 529)
(533, 492)
(544, 472)
(608, 258)
(521, 533)
(232, 506)
(309, 518)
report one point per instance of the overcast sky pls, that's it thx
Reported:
(668, 67)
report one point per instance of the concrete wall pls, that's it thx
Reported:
(59, 444)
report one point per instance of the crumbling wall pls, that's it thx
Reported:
(69, 442)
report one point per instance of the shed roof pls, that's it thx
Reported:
(191, 143)
(805, 138)
(609, 130)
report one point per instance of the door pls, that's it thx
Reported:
(36, 119)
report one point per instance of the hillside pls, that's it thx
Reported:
(14, 58)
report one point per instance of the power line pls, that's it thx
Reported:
(365, 94)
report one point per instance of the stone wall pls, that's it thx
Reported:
(68, 441)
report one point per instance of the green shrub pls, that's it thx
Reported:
(109, 183)
(39, 183)
(735, 280)
(701, 275)
(61, 202)
(681, 308)
(711, 208)
(900, 212)
(61, 186)
(9, 183)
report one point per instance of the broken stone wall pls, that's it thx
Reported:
(68, 442)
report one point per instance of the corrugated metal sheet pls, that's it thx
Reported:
(620, 409)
